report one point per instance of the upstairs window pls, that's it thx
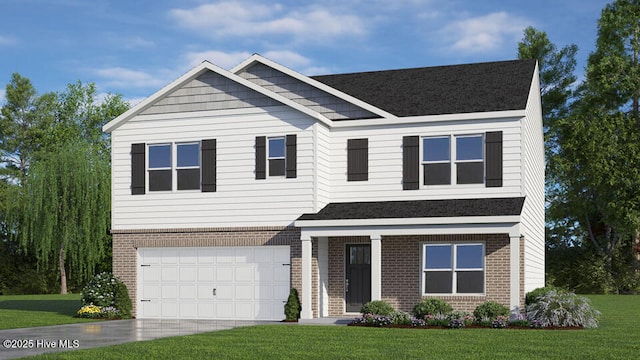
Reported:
(160, 174)
(188, 166)
(276, 159)
(436, 160)
(469, 159)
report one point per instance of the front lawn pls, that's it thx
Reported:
(616, 338)
(22, 311)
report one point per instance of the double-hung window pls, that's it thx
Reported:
(170, 164)
(436, 160)
(276, 157)
(469, 159)
(159, 163)
(453, 269)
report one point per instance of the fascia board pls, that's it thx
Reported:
(195, 72)
(460, 220)
(339, 94)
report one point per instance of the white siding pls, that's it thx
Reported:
(385, 162)
(533, 188)
(240, 200)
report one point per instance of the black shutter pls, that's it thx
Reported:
(493, 151)
(261, 157)
(410, 163)
(137, 169)
(291, 158)
(208, 149)
(357, 159)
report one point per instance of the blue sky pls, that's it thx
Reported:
(136, 47)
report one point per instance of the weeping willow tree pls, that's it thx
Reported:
(67, 209)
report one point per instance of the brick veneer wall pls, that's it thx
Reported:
(401, 270)
(126, 243)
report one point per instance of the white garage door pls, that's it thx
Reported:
(235, 283)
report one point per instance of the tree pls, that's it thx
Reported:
(598, 160)
(25, 121)
(67, 212)
(66, 196)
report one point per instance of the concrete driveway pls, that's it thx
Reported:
(46, 339)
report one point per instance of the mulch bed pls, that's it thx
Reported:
(470, 327)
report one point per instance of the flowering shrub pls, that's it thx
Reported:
(418, 323)
(500, 322)
(519, 320)
(90, 311)
(106, 291)
(563, 309)
(374, 320)
(466, 318)
(438, 319)
(431, 306)
(456, 323)
(490, 310)
(537, 324)
(110, 312)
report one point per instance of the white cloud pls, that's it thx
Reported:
(484, 33)
(137, 42)
(240, 19)
(219, 58)
(122, 77)
(7, 40)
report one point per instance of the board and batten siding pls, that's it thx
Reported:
(240, 199)
(533, 214)
(385, 162)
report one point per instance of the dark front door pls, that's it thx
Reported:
(357, 276)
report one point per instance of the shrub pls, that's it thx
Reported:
(105, 290)
(402, 318)
(500, 322)
(465, 317)
(490, 310)
(438, 319)
(563, 309)
(90, 311)
(431, 306)
(534, 294)
(292, 307)
(378, 307)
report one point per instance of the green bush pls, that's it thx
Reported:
(402, 318)
(534, 294)
(378, 307)
(292, 307)
(489, 311)
(563, 309)
(105, 290)
(431, 306)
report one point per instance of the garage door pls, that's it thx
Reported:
(235, 283)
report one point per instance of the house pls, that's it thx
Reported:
(230, 187)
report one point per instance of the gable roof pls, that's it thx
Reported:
(418, 209)
(453, 89)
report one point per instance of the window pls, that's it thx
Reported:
(469, 159)
(161, 166)
(453, 269)
(436, 160)
(188, 166)
(276, 157)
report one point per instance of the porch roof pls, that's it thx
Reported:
(418, 209)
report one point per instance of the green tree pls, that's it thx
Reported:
(598, 162)
(67, 209)
(25, 122)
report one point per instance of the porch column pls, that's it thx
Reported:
(306, 311)
(514, 270)
(376, 267)
(323, 275)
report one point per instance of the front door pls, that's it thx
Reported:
(357, 276)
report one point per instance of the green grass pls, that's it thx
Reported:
(616, 338)
(21, 311)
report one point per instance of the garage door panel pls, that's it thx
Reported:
(250, 282)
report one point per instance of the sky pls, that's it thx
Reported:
(136, 47)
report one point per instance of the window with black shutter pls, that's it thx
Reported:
(276, 156)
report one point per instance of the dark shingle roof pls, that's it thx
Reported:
(493, 86)
(418, 209)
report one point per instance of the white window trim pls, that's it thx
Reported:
(454, 270)
(452, 161)
(284, 157)
(174, 166)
